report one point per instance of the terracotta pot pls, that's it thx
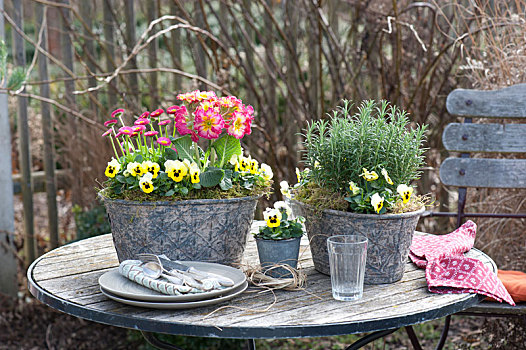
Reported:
(389, 236)
(210, 230)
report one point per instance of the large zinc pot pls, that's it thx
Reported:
(389, 238)
(210, 230)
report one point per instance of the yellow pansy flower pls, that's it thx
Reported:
(113, 168)
(151, 167)
(176, 170)
(244, 164)
(405, 192)
(285, 190)
(369, 176)
(353, 187)
(254, 166)
(194, 173)
(266, 172)
(377, 202)
(272, 217)
(146, 183)
(135, 169)
(386, 176)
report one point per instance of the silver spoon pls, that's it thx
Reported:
(152, 269)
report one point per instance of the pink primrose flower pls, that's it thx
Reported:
(237, 125)
(182, 128)
(142, 121)
(157, 113)
(205, 95)
(164, 141)
(107, 132)
(208, 124)
(172, 109)
(181, 111)
(189, 97)
(164, 122)
(110, 122)
(117, 113)
(248, 126)
(151, 133)
(145, 114)
(248, 109)
(138, 128)
(126, 130)
(225, 102)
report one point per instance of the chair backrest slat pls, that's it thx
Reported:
(484, 173)
(509, 102)
(488, 138)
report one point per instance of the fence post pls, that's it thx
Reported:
(177, 49)
(8, 268)
(87, 9)
(198, 52)
(109, 41)
(24, 141)
(75, 156)
(152, 13)
(129, 11)
(47, 133)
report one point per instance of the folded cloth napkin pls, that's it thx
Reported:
(448, 271)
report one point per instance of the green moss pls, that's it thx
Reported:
(320, 198)
(204, 193)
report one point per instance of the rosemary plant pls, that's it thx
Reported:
(369, 157)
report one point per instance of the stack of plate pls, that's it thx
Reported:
(119, 288)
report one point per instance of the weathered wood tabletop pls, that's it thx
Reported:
(67, 279)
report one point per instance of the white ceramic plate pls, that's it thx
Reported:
(113, 282)
(177, 306)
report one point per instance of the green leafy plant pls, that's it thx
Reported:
(18, 75)
(369, 158)
(91, 222)
(279, 224)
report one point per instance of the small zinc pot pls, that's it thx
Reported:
(209, 230)
(389, 236)
(271, 252)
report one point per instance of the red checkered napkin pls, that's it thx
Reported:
(448, 271)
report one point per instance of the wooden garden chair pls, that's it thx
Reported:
(468, 170)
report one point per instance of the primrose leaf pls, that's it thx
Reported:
(183, 145)
(211, 177)
(226, 146)
(170, 154)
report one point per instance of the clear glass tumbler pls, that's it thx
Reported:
(347, 254)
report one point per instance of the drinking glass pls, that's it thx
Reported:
(347, 255)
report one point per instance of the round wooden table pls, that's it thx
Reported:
(67, 280)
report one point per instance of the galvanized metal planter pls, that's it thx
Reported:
(210, 230)
(273, 252)
(389, 238)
